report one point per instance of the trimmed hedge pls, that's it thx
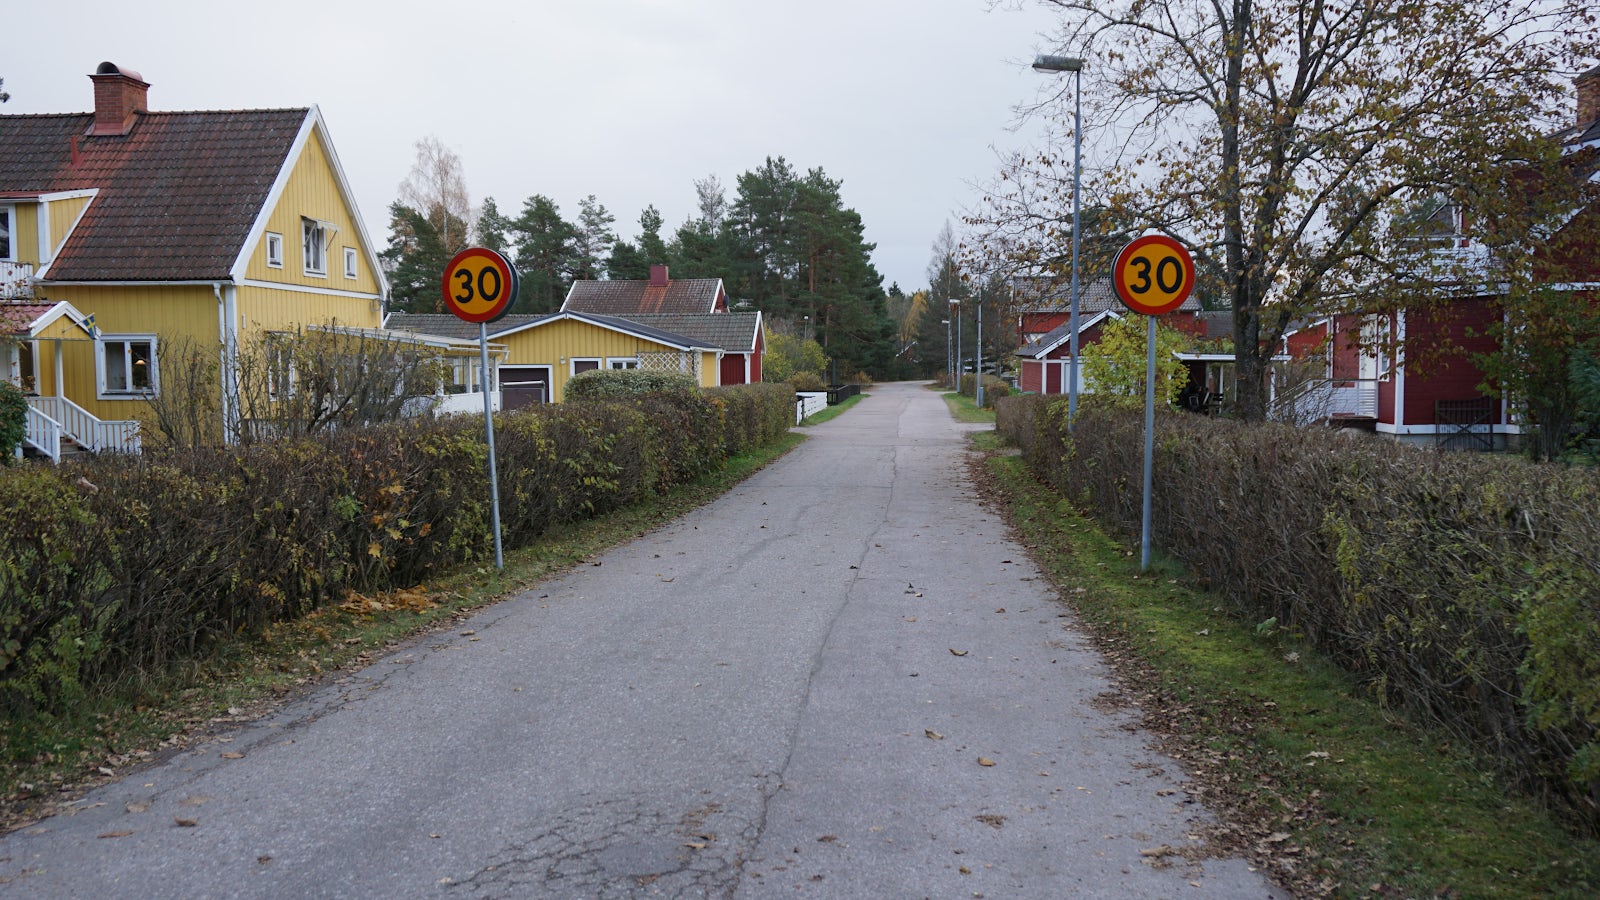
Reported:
(1464, 588)
(616, 384)
(118, 564)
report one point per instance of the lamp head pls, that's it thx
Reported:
(1046, 63)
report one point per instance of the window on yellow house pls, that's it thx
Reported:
(8, 247)
(274, 250)
(349, 262)
(313, 246)
(127, 365)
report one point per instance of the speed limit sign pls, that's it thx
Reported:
(1153, 275)
(479, 285)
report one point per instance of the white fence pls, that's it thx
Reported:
(809, 403)
(81, 425)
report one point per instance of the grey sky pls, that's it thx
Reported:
(629, 100)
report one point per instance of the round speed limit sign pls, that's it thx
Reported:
(479, 285)
(1153, 275)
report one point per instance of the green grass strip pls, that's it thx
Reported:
(834, 411)
(1314, 780)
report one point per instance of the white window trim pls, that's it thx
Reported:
(321, 229)
(351, 264)
(102, 391)
(274, 243)
(8, 212)
(572, 364)
(611, 362)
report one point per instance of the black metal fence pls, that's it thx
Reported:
(838, 393)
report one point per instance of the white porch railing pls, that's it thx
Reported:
(82, 426)
(16, 281)
(43, 434)
(1321, 400)
(470, 402)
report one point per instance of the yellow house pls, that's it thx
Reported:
(543, 352)
(166, 229)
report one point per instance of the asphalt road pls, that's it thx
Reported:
(842, 679)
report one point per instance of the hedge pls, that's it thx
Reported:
(119, 564)
(1464, 588)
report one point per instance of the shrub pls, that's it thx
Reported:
(1463, 588)
(122, 564)
(13, 420)
(807, 381)
(614, 384)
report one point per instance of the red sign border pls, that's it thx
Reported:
(1139, 243)
(507, 293)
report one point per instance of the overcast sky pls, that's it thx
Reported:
(629, 100)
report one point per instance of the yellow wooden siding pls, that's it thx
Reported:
(183, 317)
(63, 332)
(25, 233)
(710, 369)
(558, 343)
(266, 309)
(63, 214)
(312, 192)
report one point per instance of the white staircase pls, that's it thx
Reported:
(56, 425)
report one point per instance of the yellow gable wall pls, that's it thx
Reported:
(313, 192)
(558, 343)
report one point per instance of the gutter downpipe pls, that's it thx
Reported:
(228, 333)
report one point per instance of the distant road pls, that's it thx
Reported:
(842, 679)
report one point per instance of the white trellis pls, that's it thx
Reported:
(671, 361)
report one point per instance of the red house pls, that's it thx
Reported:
(1429, 390)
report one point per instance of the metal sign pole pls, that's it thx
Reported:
(488, 428)
(1149, 437)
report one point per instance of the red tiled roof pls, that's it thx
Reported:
(633, 297)
(18, 318)
(177, 195)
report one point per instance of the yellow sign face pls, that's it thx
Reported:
(479, 285)
(1153, 275)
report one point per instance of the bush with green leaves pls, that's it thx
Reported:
(121, 565)
(615, 384)
(1463, 588)
(13, 420)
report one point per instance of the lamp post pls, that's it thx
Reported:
(949, 351)
(1047, 63)
(955, 313)
(977, 369)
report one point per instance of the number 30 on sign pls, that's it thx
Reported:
(1153, 275)
(479, 285)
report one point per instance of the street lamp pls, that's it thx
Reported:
(955, 313)
(1051, 64)
(949, 351)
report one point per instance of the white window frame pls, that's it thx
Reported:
(622, 362)
(103, 347)
(274, 246)
(350, 263)
(314, 247)
(572, 363)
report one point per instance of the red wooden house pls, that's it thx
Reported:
(1428, 390)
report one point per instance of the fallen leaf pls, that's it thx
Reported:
(985, 761)
(964, 870)
(1317, 754)
(992, 820)
(1162, 850)
(138, 807)
(105, 771)
(114, 834)
(233, 756)
(468, 633)
(186, 823)
(695, 845)
(827, 839)
(1001, 610)
(934, 735)
(1277, 837)
(955, 652)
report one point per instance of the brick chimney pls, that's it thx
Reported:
(1588, 86)
(658, 276)
(119, 95)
